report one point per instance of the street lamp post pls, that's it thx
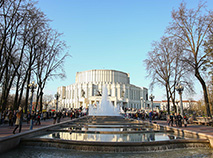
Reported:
(31, 86)
(64, 101)
(142, 103)
(177, 106)
(151, 97)
(57, 96)
(180, 89)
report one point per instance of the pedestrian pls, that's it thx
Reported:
(19, 118)
(171, 119)
(176, 120)
(3, 116)
(44, 115)
(179, 118)
(58, 116)
(168, 119)
(71, 115)
(185, 119)
(150, 116)
(54, 118)
(10, 116)
(0, 117)
(28, 117)
(38, 118)
(14, 116)
(32, 119)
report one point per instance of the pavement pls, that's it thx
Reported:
(191, 127)
(6, 130)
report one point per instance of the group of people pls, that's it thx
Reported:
(12, 118)
(177, 119)
(173, 119)
(8, 116)
(142, 115)
(17, 117)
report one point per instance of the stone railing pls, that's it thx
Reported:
(204, 121)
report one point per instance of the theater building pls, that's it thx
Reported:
(87, 90)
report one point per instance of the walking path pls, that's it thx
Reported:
(191, 127)
(6, 130)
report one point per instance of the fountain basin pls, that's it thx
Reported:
(107, 135)
(31, 138)
(117, 146)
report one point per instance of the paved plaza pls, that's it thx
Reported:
(191, 127)
(6, 130)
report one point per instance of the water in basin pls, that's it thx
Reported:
(137, 137)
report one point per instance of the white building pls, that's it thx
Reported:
(88, 88)
(187, 104)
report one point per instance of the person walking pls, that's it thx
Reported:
(179, 118)
(19, 118)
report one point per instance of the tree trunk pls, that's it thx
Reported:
(4, 88)
(168, 103)
(205, 93)
(28, 75)
(37, 97)
(41, 97)
(17, 93)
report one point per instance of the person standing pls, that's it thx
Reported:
(32, 118)
(0, 117)
(71, 115)
(18, 123)
(54, 118)
(38, 118)
(171, 119)
(150, 116)
(176, 120)
(58, 117)
(185, 119)
(44, 116)
(10, 116)
(179, 118)
(28, 117)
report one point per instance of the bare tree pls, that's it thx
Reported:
(191, 26)
(29, 50)
(11, 17)
(165, 68)
(50, 61)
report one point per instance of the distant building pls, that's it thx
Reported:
(88, 89)
(163, 104)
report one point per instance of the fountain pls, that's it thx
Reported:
(105, 108)
(106, 133)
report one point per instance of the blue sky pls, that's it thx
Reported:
(111, 34)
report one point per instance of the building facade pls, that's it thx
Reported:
(88, 89)
(187, 104)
